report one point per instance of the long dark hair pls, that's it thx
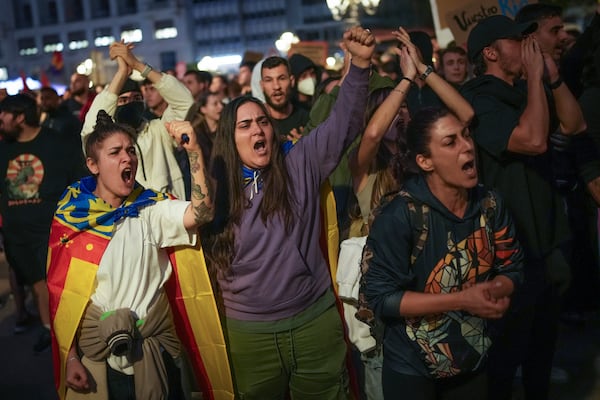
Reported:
(204, 136)
(386, 164)
(226, 168)
(384, 159)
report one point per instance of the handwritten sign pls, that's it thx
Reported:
(462, 15)
(315, 50)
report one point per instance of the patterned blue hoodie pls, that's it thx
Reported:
(457, 251)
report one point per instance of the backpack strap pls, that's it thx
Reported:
(419, 218)
(488, 211)
(419, 222)
(385, 199)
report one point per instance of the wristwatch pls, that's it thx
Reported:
(556, 84)
(146, 71)
(425, 74)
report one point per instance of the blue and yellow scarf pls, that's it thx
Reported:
(82, 210)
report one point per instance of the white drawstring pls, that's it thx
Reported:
(254, 184)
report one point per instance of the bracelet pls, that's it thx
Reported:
(399, 90)
(425, 74)
(72, 358)
(554, 85)
(408, 79)
(146, 71)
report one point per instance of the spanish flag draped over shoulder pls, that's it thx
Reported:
(330, 236)
(81, 230)
(329, 242)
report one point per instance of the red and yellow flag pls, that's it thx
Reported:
(78, 239)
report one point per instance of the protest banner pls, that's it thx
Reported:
(458, 17)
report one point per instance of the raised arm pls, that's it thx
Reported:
(124, 51)
(107, 99)
(446, 92)
(325, 145)
(360, 161)
(530, 136)
(360, 44)
(201, 209)
(117, 49)
(568, 111)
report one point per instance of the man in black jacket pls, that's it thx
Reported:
(512, 125)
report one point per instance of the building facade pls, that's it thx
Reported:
(53, 37)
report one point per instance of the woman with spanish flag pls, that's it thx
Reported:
(125, 281)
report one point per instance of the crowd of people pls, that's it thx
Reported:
(411, 226)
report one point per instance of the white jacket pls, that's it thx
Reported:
(348, 279)
(157, 168)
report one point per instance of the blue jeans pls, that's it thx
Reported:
(373, 383)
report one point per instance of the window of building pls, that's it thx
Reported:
(52, 11)
(126, 7)
(165, 29)
(77, 40)
(100, 8)
(168, 60)
(52, 43)
(153, 4)
(103, 37)
(73, 10)
(23, 14)
(48, 12)
(131, 33)
(27, 46)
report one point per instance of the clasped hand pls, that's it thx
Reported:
(485, 299)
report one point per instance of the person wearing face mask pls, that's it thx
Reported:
(306, 78)
(130, 104)
(122, 99)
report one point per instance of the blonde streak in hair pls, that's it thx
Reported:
(384, 183)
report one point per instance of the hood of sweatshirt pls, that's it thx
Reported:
(419, 190)
(515, 96)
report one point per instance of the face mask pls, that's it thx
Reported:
(307, 86)
(130, 114)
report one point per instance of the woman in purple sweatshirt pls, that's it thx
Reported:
(284, 332)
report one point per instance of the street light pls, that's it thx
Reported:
(85, 67)
(348, 9)
(285, 41)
